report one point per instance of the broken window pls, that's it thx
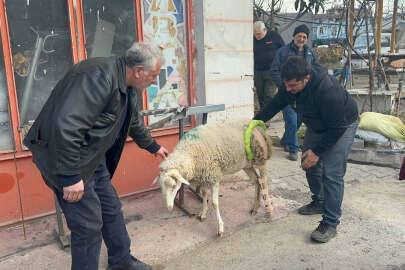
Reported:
(109, 26)
(41, 51)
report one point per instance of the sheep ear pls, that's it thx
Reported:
(175, 174)
(155, 181)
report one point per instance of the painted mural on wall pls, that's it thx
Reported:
(164, 24)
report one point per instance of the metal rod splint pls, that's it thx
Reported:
(264, 190)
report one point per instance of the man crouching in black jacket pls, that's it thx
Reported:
(77, 141)
(331, 117)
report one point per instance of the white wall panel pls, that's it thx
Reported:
(228, 66)
(228, 51)
(229, 9)
(228, 35)
(236, 95)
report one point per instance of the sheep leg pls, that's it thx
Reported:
(253, 177)
(264, 190)
(203, 215)
(215, 204)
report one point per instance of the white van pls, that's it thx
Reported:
(360, 45)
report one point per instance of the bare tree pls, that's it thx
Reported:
(265, 10)
(303, 7)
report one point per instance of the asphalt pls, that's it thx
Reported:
(371, 234)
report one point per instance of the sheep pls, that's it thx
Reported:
(207, 153)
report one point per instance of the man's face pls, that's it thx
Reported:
(300, 39)
(293, 86)
(142, 78)
(259, 34)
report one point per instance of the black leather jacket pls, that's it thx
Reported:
(77, 127)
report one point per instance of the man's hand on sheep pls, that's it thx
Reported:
(162, 152)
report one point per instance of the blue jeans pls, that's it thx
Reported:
(325, 179)
(95, 217)
(292, 123)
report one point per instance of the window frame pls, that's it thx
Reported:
(77, 38)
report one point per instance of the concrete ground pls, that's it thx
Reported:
(371, 235)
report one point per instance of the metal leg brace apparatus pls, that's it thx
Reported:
(264, 189)
(259, 165)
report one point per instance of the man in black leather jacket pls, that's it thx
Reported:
(331, 117)
(77, 140)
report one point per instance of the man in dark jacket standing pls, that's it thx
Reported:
(331, 117)
(296, 47)
(77, 141)
(265, 45)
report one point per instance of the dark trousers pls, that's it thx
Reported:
(265, 87)
(325, 179)
(95, 217)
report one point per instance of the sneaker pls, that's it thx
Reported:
(292, 156)
(313, 208)
(323, 233)
(132, 264)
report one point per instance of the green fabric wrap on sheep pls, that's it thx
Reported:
(248, 135)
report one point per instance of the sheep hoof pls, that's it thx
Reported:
(253, 212)
(201, 218)
(220, 234)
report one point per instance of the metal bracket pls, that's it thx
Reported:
(64, 239)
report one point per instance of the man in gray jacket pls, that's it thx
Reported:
(298, 46)
(77, 141)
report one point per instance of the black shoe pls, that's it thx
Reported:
(323, 233)
(313, 208)
(292, 156)
(132, 264)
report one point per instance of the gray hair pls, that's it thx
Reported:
(144, 54)
(259, 25)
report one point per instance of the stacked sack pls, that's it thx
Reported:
(381, 129)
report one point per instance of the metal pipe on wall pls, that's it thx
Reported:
(394, 26)
(350, 30)
(30, 79)
(379, 26)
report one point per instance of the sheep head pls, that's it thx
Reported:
(170, 182)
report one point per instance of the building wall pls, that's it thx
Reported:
(228, 57)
